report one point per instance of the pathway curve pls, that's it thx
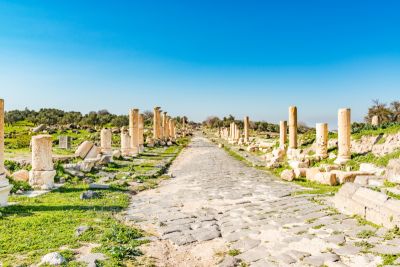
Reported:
(216, 204)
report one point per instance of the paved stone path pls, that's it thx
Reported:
(215, 197)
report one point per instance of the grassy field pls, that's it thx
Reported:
(33, 227)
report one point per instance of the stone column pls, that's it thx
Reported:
(246, 129)
(375, 121)
(42, 172)
(134, 130)
(125, 142)
(164, 125)
(141, 133)
(321, 140)
(170, 130)
(5, 186)
(282, 134)
(105, 141)
(173, 129)
(293, 127)
(156, 123)
(344, 131)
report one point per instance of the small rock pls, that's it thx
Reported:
(81, 229)
(288, 175)
(53, 258)
(98, 186)
(21, 175)
(89, 195)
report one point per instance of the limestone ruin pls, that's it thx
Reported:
(5, 186)
(344, 131)
(106, 141)
(42, 172)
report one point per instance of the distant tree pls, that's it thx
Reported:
(395, 109)
(71, 117)
(119, 121)
(379, 109)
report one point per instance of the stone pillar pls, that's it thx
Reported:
(282, 134)
(375, 121)
(105, 141)
(141, 133)
(42, 172)
(164, 125)
(170, 130)
(246, 129)
(125, 142)
(293, 127)
(173, 129)
(344, 131)
(134, 130)
(156, 123)
(5, 186)
(321, 140)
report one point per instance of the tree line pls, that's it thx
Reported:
(387, 113)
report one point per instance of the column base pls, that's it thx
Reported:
(106, 151)
(42, 179)
(141, 148)
(341, 160)
(4, 193)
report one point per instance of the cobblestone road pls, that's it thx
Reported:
(215, 197)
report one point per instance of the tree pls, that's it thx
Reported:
(379, 109)
(395, 109)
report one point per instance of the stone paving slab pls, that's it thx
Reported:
(214, 196)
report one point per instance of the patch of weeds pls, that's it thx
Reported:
(392, 233)
(19, 185)
(364, 245)
(393, 195)
(362, 221)
(316, 188)
(310, 221)
(234, 252)
(386, 183)
(388, 259)
(332, 211)
(365, 234)
(318, 226)
(336, 232)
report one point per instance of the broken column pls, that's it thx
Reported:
(125, 142)
(5, 186)
(170, 128)
(246, 129)
(141, 133)
(344, 131)
(282, 134)
(321, 140)
(375, 121)
(42, 172)
(293, 127)
(105, 141)
(134, 130)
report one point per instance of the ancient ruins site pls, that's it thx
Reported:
(199, 133)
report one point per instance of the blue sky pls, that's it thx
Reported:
(200, 58)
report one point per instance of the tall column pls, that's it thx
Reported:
(282, 134)
(141, 133)
(170, 125)
(173, 129)
(156, 123)
(321, 140)
(5, 186)
(246, 128)
(292, 127)
(106, 141)
(42, 172)
(164, 125)
(344, 131)
(134, 130)
(125, 142)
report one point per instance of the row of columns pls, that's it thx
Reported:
(163, 125)
(344, 132)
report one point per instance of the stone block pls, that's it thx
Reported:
(64, 142)
(348, 206)
(42, 179)
(311, 173)
(348, 190)
(369, 198)
(287, 175)
(83, 149)
(294, 164)
(327, 178)
(21, 175)
(93, 153)
(300, 172)
(393, 171)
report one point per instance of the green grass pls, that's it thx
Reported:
(233, 252)
(383, 161)
(393, 129)
(362, 221)
(388, 259)
(365, 234)
(392, 233)
(48, 223)
(315, 188)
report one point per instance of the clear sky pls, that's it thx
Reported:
(200, 58)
